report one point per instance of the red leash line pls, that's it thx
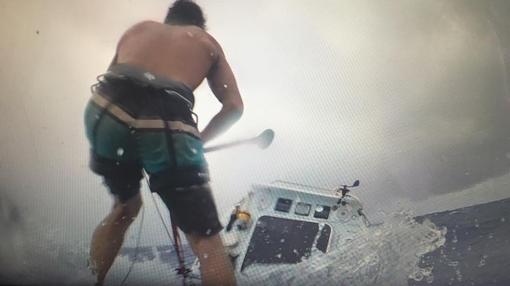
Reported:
(182, 270)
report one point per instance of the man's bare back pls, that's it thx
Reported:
(188, 54)
(183, 53)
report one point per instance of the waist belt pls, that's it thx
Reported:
(145, 78)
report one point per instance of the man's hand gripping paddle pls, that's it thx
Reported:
(262, 141)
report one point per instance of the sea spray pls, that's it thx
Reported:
(387, 254)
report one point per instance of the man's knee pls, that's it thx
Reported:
(128, 209)
(202, 244)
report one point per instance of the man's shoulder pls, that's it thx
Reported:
(146, 24)
(200, 35)
(138, 28)
(209, 39)
(198, 31)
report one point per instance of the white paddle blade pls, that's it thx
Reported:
(265, 138)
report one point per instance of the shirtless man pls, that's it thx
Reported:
(140, 118)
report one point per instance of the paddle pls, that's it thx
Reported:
(262, 141)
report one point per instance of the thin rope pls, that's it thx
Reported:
(182, 270)
(161, 217)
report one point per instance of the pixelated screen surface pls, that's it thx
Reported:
(410, 97)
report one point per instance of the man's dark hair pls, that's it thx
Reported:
(185, 12)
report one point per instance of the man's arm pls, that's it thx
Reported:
(223, 84)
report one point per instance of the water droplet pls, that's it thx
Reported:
(459, 275)
(117, 163)
(212, 54)
(225, 86)
(502, 219)
(208, 231)
(123, 218)
(120, 152)
(190, 34)
(97, 116)
(454, 239)
(279, 255)
(104, 223)
(481, 263)
(149, 76)
(416, 276)
(205, 255)
(430, 279)
(453, 263)
(193, 150)
(282, 240)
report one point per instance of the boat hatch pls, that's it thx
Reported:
(278, 240)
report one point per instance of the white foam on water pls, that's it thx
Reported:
(387, 254)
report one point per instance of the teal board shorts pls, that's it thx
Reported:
(137, 121)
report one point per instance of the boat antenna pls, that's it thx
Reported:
(344, 190)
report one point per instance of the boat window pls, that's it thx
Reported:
(283, 205)
(282, 240)
(303, 209)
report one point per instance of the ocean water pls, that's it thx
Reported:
(467, 246)
(389, 252)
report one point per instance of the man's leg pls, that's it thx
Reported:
(109, 235)
(194, 212)
(215, 266)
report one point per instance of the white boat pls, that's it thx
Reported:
(283, 223)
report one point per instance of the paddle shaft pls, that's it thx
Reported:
(228, 145)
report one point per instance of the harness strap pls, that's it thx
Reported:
(145, 78)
